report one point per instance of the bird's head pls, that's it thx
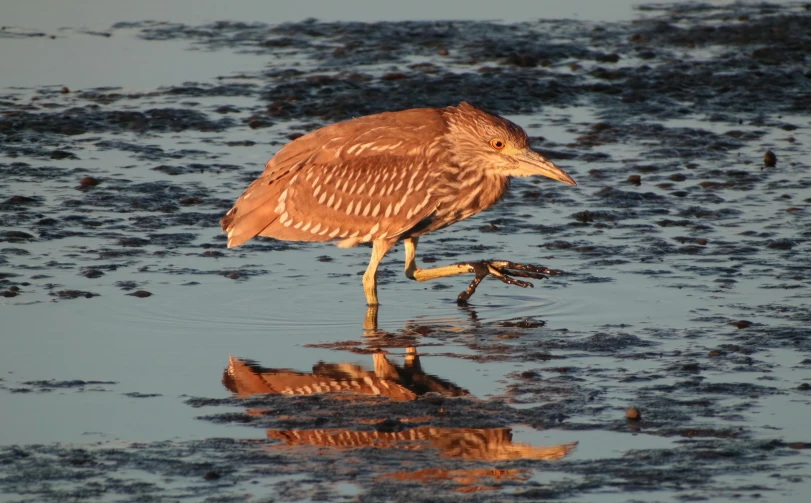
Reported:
(496, 144)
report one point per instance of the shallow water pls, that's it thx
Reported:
(685, 295)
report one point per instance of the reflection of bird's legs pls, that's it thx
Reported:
(370, 321)
(412, 359)
(500, 269)
(379, 248)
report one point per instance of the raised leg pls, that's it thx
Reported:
(379, 248)
(500, 269)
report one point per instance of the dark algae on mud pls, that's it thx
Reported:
(671, 362)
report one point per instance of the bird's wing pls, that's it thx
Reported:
(360, 200)
(357, 180)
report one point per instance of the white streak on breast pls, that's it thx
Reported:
(352, 149)
(335, 232)
(279, 208)
(338, 204)
(284, 217)
(316, 191)
(293, 180)
(288, 223)
(298, 225)
(324, 231)
(398, 186)
(307, 226)
(357, 208)
(372, 190)
(388, 210)
(376, 210)
(331, 200)
(367, 209)
(360, 189)
(283, 196)
(349, 208)
(354, 186)
(322, 198)
(470, 181)
(315, 229)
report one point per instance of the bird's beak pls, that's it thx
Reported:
(533, 163)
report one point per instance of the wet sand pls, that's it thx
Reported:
(142, 359)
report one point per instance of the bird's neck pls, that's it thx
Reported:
(471, 192)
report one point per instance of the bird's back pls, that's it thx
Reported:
(355, 180)
(382, 176)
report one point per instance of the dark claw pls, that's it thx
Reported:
(506, 272)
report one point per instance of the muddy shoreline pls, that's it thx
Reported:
(685, 293)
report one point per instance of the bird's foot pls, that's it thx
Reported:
(505, 271)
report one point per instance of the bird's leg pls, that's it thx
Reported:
(379, 248)
(370, 321)
(501, 269)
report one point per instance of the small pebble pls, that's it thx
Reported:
(141, 294)
(635, 179)
(633, 414)
(89, 181)
(211, 476)
(769, 159)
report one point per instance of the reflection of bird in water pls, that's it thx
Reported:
(484, 444)
(392, 177)
(397, 383)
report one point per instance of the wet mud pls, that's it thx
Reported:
(688, 134)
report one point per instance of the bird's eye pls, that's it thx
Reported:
(498, 143)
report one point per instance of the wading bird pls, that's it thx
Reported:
(391, 177)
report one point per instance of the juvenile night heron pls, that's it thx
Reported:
(389, 177)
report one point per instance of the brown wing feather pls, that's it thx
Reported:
(361, 200)
(372, 162)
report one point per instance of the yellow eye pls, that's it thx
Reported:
(498, 143)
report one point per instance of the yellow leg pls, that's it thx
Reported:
(499, 269)
(417, 274)
(379, 248)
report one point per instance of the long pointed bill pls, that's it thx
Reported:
(533, 163)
